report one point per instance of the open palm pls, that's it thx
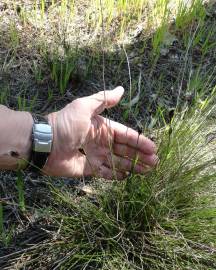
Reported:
(86, 143)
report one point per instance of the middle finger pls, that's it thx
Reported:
(132, 153)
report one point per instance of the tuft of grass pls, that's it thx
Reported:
(163, 220)
(14, 36)
(166, 219)
(63, 68)
(21, 192)
(37, 72)
(6, 235)
(5, 91)
(186, 14)
(24, 104)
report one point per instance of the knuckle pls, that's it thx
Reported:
(127, 164)
(76, 101)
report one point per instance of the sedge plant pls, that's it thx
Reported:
(63, 68)
(165, 219)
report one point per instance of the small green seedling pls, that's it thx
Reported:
(21, 192)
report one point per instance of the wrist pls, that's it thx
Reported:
(16, 138)
(25, 143)
(47, 169)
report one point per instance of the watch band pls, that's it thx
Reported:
(39, 158)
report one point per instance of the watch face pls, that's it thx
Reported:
(43, 128)
(42, 134)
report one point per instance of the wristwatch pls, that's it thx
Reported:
(42, 138)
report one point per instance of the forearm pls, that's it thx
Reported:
(15, 138)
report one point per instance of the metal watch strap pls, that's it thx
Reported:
(38, 158)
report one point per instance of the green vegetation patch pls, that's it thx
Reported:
(163, 53)
(163, 220)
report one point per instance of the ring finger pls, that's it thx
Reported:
(132, 153)
(123, 164)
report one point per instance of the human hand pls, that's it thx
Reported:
(86, 143)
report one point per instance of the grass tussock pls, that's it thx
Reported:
(163, 220)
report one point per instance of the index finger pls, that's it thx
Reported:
(130, 137)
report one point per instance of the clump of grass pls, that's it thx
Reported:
(20, 189)
(63, 68)
(163, 220)
(159, 34)
(186, 13)
(6, 234)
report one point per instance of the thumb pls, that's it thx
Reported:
(105, 99)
